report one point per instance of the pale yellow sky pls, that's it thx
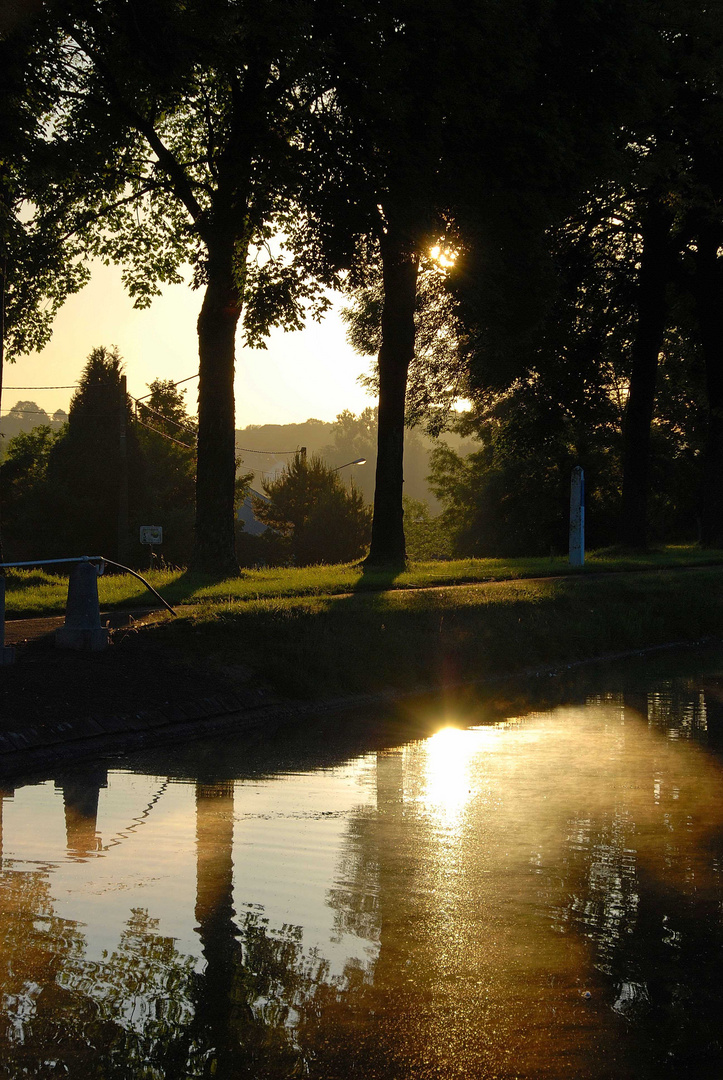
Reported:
(311, 373)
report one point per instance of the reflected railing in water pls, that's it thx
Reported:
(539, 897)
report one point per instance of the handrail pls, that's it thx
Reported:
(88, 558)
(53, 562)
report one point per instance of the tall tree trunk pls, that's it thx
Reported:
(400, 270)
(215, 547)
(653, 280)
(708, 287)
(3, 283)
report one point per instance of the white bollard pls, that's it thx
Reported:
(577, 517)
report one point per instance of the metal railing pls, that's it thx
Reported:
(100, 559)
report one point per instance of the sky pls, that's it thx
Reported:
(310, 373)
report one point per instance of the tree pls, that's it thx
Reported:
(164, 409)
(27, 523)
(39, 266)
(448, 157)
(701, 123)
(377, 208)
(191, 113)
(89, 468)
(322, 520)
(438, 374)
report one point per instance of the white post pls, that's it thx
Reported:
(577, 517)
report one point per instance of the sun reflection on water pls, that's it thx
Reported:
(448, 784)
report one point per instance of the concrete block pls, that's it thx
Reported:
(82, 628)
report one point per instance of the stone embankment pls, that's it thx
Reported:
(59, 706)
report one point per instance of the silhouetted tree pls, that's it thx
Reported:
(322, 520)
(191, 111)
(85, 466)
(27, 520)
(447, 157)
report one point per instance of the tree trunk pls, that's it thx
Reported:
(215, 545)
(651, 315)
(3, 281)
(708, 289)
(400, 269)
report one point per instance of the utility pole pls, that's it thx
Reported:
(123, 525)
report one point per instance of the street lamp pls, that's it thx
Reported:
(357, 461)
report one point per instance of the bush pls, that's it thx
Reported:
(321, 520)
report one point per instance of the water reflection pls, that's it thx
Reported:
(539, 897)
(81, 791)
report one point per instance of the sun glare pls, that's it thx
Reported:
(447, 780)
(448, 772)
(443, 256)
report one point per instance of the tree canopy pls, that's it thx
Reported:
(569, 159)
(321, 519)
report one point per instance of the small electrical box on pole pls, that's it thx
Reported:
(577, 517)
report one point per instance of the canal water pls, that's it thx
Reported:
(521, 885)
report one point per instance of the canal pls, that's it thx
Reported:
(520, 885)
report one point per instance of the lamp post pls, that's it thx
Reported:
(357, 461)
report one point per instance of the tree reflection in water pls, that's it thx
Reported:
(601, 832)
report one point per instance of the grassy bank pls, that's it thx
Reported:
(36, 593)
(328, 645)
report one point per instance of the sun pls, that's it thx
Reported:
(444, 257)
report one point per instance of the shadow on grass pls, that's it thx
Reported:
(181, 591)
(373, 640)
(376, 577)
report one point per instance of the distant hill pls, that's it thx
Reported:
(24, 416)
(264, 449)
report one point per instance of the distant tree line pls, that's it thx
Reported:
(562, 161)
(59, 482)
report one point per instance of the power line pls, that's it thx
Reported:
(163, 435)
(168, 420)
(246, 450)
(29, 412)
(72, 386)
(187, 379)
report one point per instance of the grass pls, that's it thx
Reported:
(335, 630)
(36, 593)
(318, 646)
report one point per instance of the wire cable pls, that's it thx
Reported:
(176, 423)
(247, 450)
(163, 435)
(187, 379)
(29, 412)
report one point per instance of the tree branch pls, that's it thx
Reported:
(167, 160)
